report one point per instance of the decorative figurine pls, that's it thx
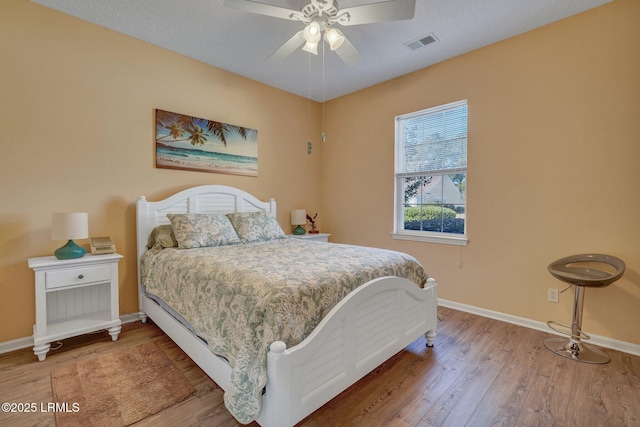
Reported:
(312, 222)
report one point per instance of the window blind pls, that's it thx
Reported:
(434, 141)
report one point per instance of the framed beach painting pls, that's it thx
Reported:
(190, 143)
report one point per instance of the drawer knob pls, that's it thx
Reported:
(81, 276)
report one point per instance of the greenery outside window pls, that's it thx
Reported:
(431, 175)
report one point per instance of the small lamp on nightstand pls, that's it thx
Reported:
(69, 226)
(299, 217)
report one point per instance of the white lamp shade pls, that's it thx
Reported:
(69, 225)
(334, 38)
(311, 47)
(299, 217)
(312, 33)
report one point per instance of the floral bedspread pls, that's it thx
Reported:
(242, 297)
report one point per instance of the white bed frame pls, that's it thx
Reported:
(370, 325)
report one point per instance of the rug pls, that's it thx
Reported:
(117, 389)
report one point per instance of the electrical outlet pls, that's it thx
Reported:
(552, 295)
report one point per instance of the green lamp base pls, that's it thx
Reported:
(70, 251)
(299, 231)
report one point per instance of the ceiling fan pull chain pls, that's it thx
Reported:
(323, 137)
(309, 143)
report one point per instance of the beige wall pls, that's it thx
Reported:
(77, 134)
(554, 153)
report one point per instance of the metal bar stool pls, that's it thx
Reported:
(578, 271)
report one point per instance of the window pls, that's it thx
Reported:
(431, 175)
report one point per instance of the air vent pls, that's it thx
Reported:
(421, 41)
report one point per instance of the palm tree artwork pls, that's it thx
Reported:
(191, 143)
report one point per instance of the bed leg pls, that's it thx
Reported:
(143, 317)
(430, 336)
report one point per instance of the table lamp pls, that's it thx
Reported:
(69, 226)
(299, 217)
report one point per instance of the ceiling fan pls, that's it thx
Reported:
(319, 16)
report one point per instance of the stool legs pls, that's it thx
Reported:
(575, 349)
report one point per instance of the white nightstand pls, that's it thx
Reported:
(320, 237)
(73, 297)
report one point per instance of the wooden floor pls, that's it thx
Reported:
(482, 372)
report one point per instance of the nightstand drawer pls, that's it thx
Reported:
(77, 276)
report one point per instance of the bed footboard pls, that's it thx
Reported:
(365, 329)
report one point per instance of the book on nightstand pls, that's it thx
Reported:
(102, 245)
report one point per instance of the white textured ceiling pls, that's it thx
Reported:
(241, 42)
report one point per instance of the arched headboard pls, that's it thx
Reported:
(201, 199)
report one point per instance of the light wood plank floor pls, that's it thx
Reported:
(482, 372)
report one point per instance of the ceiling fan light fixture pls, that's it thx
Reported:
(318, 16)
(334, 38)
(311, 47)
(312, 33)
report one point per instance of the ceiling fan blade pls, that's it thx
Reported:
(289, 46)
(348, 53)
(392, 10)
(261, 8)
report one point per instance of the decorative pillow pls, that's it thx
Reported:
(163, 236)
(202, 230)
(256, 226)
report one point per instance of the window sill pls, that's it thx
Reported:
(432, 238)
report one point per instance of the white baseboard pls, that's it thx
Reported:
(129, 318)
(625, 347)
(20, 343)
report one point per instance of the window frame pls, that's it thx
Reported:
(398, 211)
